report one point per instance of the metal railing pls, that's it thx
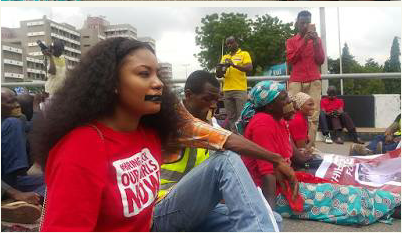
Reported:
(36, 83)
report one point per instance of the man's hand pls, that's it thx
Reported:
(284, 172)
(229, 62)
(335, 113)
(307, 37)
(30, 197)
(47, 52)
(314, 36)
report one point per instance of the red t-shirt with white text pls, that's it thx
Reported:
(270, 134)
(102, 185)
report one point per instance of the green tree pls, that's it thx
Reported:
(213, 32)
(369, 86)
(267, 42)
(393, 64)
(264, 38)
(350, 65)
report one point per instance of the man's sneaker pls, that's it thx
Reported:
(20, 212)
(358, 149)
(328, 139)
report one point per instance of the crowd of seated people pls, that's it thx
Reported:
(23, 193)
(274, 137)
(263, 122)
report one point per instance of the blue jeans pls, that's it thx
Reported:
(14, 158)
(194, 202)
(385, 147)
(218, 220)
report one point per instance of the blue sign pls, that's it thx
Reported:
(276, 70)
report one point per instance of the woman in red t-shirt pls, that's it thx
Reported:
(262, 121)
(100, 140)
(298, 126)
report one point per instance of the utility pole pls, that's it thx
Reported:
(340, 52)
(185, 65)
(324, 66)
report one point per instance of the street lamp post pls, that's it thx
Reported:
(186, 65)
(324, 67)
(340, 52)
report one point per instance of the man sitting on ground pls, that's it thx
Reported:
(208, 177)
(332, 112)
(381, 143)
(16, 184)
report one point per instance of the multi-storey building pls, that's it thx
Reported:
(121, 30)
(47, 31)
(22, 59)
(149, 40)
(93, 32)
(12, 62)
(166, 70)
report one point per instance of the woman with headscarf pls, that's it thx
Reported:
(298, 126)
(262, 122)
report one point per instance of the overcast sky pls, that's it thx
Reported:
(369, 31)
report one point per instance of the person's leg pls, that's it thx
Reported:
(240, 98)
(31, 183)
(373, 143)
(323, 123)
(337, 127)
(294, 88)
(222, 176)
(14, 159)
(314, 90)
(230, 107)
(341, 204)
(347, 122)
(389, 147)
(218, 220)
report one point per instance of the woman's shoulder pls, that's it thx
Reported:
(82, 138)
(261, 119)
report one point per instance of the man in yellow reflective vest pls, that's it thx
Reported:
(192, 189)
(381, 143)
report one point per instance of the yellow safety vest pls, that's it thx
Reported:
(171, 173)
(398, 133)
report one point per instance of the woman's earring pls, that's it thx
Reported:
(115, 91)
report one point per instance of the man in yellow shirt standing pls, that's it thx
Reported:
(57, 67)
(233, 68)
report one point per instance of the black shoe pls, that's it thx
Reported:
(358, 140)
(339, 140)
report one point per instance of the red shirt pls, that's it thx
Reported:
(305, 59)
(102, 185)
(298, 127)
(328, 105)
(273, 136)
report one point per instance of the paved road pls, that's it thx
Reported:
(294, 225)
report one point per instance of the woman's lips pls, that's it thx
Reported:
(153, 98)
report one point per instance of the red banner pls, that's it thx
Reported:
(382, 171)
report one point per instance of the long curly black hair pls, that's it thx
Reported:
(88, 94)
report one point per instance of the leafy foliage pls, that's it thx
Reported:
(264, 37)
(366, 86)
